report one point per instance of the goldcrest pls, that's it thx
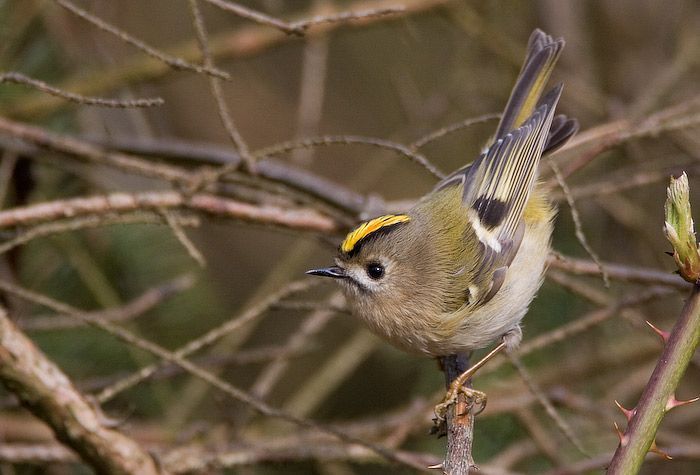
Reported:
(459, 269)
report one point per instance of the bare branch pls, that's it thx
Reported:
(36, 454)
(182, 237)
(440, 133)
(349, 140)
(345, 17)
(19, 78)
(256, 16)
(580, 235)
(48, 394)
(329, 192)
(636, 274)
(535, 389)
(302, 219)
(83, 222)
(136, 307)
(215, 84)
(93, 153)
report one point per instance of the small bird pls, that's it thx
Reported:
(459, 269)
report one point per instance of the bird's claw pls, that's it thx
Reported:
(474, 399)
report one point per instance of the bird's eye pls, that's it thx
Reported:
(375, 270)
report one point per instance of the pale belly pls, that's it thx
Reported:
(504, 312)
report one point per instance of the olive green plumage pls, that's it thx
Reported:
(460, 268)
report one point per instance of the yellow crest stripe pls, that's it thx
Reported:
(367, 228)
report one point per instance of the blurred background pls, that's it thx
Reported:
(631, 71)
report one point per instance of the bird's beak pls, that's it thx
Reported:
(334, 271)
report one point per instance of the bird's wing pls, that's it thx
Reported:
(496, 190)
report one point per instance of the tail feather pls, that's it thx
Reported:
(561, 130)
(542, 54)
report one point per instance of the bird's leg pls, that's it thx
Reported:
(457, 387)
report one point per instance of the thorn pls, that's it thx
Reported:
(629, 413)
(437, 466)
(662, 334)
(655, 449)
(668, 253)
(672, 402)
(623, 438)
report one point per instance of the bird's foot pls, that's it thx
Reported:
(475, 400)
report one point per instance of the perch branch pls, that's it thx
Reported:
(460, 422)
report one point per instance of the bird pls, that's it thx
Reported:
(458, 270)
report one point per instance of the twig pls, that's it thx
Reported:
(302, 219)
(578, 287)
(600, 461)
(48, 394)
(172, 61)
(203, 341)
(625, 179)
(580, 235)
(215, 85)
(545, 444)
(311, 185)
(182, 237)
(332, 373)
(440, 133)
(588, 321)
(269, 375)
(312, 305)
(82, 222)
(612, 134)
(93, 153)
(629, 273)
(345, 17)
(312, 91)
(329, 192)
(514, 453)
(299, 27)
(256, 16)
(19, 78)
(136, 307)
(350, 140)
(535, 389)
